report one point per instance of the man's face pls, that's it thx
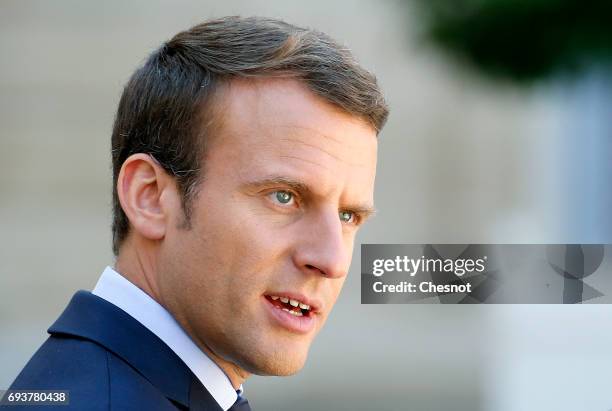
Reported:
(288, 179)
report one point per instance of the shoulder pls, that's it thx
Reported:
(96, 378)
(77, 365)
(64, 363)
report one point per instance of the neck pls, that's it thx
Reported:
(139, 269)
(234, 373)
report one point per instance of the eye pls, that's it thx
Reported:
(282, 197)
(347, 216)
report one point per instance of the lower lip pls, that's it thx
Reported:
(298, 325)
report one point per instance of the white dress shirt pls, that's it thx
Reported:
(118, 290)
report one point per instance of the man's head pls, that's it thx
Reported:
(244, 156)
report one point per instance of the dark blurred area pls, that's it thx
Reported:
(522, 40)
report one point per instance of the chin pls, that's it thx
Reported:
(278, 363)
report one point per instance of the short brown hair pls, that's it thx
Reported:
(163, 106)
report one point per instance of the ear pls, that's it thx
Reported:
(148, 196)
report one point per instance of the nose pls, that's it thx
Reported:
(323, 247)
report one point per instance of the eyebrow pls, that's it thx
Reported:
(295, 185)
(364, 210)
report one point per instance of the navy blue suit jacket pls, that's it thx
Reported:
(109, 361)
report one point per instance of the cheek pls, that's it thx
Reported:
(237, 246)
(336, 287)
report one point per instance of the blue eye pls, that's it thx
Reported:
(283, 197)
(347, 216)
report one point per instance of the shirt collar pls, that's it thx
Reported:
(118, 290)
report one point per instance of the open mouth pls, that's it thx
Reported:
(293, 307)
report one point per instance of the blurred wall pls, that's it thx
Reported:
(462, 159)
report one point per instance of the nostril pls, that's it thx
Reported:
(312, 267)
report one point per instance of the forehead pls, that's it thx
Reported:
(278, 126)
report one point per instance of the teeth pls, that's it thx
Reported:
(293, 303)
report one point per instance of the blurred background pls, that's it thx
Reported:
(500, 132)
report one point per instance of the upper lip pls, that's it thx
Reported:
(315, 304)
